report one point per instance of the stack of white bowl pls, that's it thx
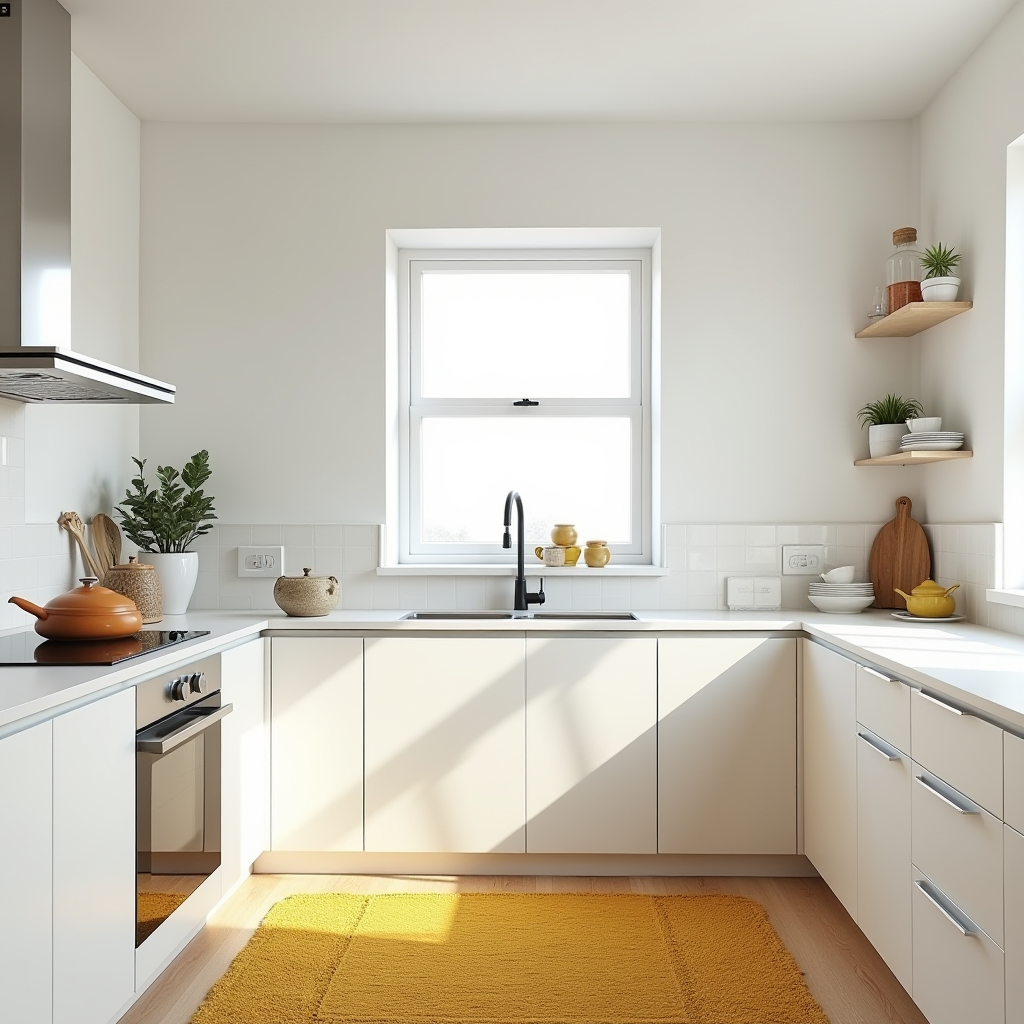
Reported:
(838, 594)
(925, 436)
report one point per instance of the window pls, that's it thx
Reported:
(527, 371)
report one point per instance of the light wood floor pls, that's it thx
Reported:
(843, 971)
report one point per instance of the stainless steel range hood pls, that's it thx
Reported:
(36, 360)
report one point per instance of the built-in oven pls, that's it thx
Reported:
(178, 755)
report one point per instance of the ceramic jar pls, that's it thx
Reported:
(564, 535)
(139, 582)
(930, 600)
(597, 554)
(307, 595)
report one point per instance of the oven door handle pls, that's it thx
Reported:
(195, 725)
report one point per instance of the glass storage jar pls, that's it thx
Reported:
(903, 270)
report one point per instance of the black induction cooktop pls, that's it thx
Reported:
(29, 648)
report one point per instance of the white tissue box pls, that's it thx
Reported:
(753, 593)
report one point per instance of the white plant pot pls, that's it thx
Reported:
(178, 573)
(884, 439)
(940, 289)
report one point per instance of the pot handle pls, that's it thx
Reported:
(951, 589)
(28, 606)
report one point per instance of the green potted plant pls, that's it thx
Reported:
(886, 423)
(939, 285)
(164, 522)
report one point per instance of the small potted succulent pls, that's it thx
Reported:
(886, 423)
(163, 523)
(939, 285)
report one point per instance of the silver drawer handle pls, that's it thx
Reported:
(969, 809)
(881, 750)
(879, 675)
(941, 703)
(936, 900)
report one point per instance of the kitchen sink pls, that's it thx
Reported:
(588, 616)
(475, 616)
(439, 616)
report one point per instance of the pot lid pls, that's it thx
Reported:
(132, 563)
(929, 588)
(306, 576)
(91, 599)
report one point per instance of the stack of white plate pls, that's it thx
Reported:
(841, 598)
(932, 441)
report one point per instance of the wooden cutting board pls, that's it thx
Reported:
(899, 558)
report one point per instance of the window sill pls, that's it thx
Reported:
(1014, 598)
(472, 569)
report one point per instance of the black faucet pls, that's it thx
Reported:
(523, 598)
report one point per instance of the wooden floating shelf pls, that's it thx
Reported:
(914, 458)
(913, 318)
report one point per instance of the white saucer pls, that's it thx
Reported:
(907, 617)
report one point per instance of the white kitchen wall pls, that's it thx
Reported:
(964, 136)
(699, 557)
(78, 457)
(263, 282)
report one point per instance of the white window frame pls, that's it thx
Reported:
(413, 407)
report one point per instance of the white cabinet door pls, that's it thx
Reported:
(958, 969)
(245, 762)
(26, 876)
(445, 738)
(316, 743)
(591, 745)
(830, 769)
(726, 745)
(1013, 865)
(884, 777)
(94, 860)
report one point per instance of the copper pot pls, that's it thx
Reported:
(88, 612)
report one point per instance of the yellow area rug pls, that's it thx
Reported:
(504, 958)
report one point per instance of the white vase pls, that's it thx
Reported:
(178, 572)
(885, 438)
(940, 289)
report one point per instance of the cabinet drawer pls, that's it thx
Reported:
(883, 705)
(1013, 781)
(960, 748)
(959, 846)
(958, 977)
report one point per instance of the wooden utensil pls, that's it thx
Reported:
(72, 522)
(899, 558)
(106, 539)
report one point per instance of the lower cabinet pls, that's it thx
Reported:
(445, 744)
(727, 721)
(316, 743)
(245, 762)
(1013, 866)
(94, 860)
(26, 876)
(958, 969)
(884, 778)
(830, 769)
(591, 745)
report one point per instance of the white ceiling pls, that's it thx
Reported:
(527, 60)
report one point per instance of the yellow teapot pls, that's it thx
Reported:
(929, 600)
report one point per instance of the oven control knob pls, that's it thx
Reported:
(197, 682)
(178, 690)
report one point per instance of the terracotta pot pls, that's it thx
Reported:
(88, 612)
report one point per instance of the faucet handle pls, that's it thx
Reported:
(539, 597)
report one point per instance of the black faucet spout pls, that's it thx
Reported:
(523, 598)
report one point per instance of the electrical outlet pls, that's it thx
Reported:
(802, 559)
(260, 562)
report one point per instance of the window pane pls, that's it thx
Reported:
(566, 469)
(536, 335)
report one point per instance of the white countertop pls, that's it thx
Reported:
(982, 668)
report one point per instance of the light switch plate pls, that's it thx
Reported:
(803, 559)
(266, 562)
(753, 593)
